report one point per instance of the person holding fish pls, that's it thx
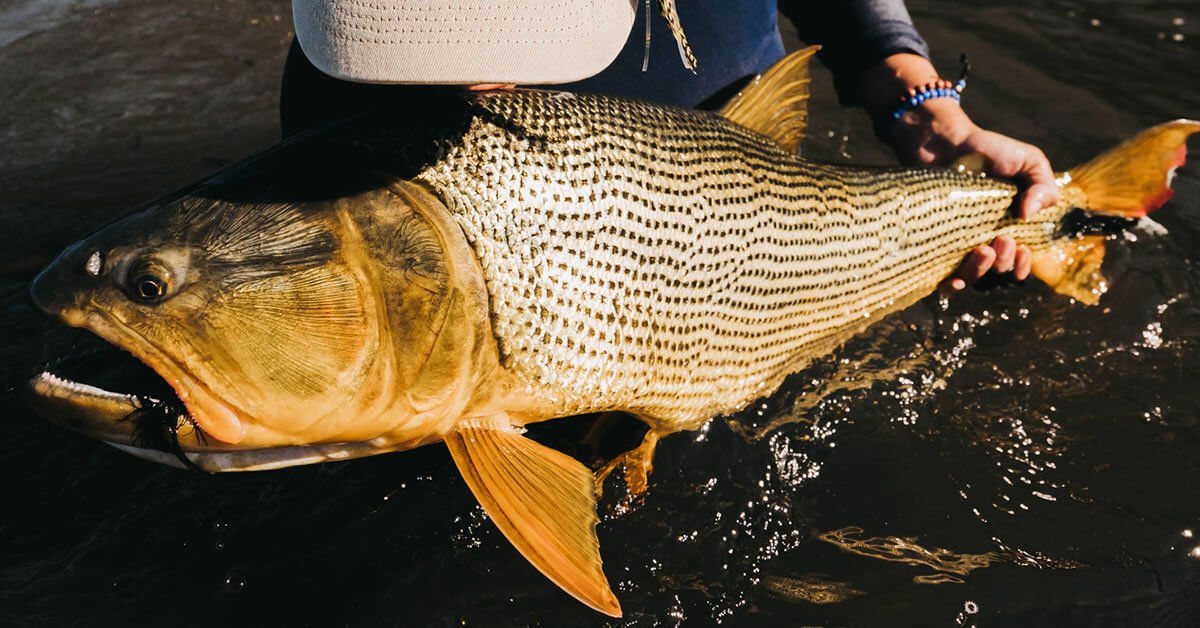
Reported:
(451, 266)
(879, 61)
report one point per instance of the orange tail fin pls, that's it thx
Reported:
(1134, 178)
(1130, 181)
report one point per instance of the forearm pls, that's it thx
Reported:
(856, 35)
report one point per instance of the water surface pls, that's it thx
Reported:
(1010, 459)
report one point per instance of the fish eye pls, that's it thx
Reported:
(149, 283)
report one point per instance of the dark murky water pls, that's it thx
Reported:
(1014, 459)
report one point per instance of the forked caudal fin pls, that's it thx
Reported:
(1134, 178)
(1128, 181)
(542, 500)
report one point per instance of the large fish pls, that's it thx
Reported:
(469, 263)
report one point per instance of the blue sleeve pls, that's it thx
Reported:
(854, 35)
(732, 39)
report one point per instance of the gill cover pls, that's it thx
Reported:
(285, 322)
(248, 309)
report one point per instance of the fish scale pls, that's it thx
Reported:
(676, 265)
(553, 255)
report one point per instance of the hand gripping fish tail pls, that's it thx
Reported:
(1128, 181)
(488, 260)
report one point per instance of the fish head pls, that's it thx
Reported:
(266, 321)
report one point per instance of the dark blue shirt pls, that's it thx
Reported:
(733, 40)
(737, 39)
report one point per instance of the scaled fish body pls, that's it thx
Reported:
(478, 262)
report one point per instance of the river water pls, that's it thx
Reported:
(1010, 458)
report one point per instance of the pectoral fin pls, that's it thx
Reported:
(543, 502)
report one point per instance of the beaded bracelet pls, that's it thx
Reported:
(940, 88)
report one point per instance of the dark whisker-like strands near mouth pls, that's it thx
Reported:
(156, 425)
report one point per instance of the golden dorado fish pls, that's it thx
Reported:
(470, 263)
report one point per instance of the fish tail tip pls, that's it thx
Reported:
(1134, 178)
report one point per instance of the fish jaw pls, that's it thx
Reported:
(84, 408)
(104, 415)
(205, 409)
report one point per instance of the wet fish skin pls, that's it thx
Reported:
(496, 259)
(675, 265)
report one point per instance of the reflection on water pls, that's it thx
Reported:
(907, 550)
(946, 563)
(810, 589)
(1035, 457)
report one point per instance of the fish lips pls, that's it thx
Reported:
(109, 400)
(60, 291)
(105, 415)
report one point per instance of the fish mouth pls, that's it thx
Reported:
(102, 391)
(107, 393)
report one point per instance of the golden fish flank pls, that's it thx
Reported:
(490, 260)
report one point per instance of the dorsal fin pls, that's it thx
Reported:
(776, 103)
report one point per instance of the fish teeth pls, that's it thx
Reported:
(52, 382)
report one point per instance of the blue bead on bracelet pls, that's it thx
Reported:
(937, 89)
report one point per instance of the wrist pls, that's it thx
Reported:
(908, 99)
(943, 117)
(886, 81)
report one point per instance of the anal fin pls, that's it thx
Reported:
(1072, 268)
(542, 500)
(637, 462)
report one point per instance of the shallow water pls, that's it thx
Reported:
(1012, 458)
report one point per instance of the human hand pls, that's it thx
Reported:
(939, 133)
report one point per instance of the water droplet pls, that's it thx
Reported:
(233, 582)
